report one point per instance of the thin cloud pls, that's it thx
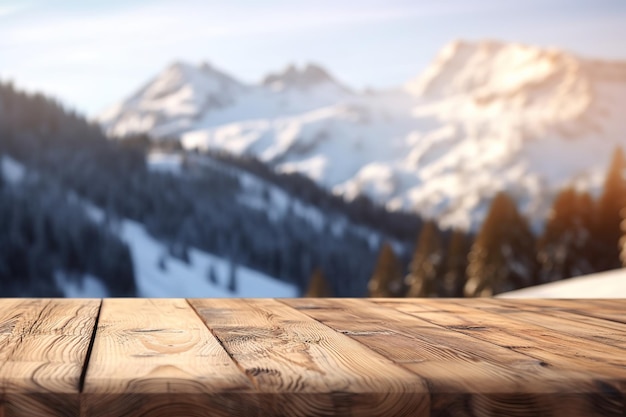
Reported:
(209, 21)
(9, 10)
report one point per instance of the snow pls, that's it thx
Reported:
(179, 279)
(12, 171)
(484, 117)
(271, 199)
(86, 286)
(157, 274)
(610, 284)
(165, 162)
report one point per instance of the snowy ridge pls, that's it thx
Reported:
(484, 117)
(309, 77)
(170, 103)
(264, 196)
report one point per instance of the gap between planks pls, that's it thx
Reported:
(83, 373)
(221, 342)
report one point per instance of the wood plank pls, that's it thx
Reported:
(506, 331)
(614, 326)
(611, 310)
(419, 304)
(617, 303)
(606, 312)
(602, 312)
(463, 373)
(44, 347)
(312, 369)
(414, 343)
(445, 357)
(605, 365)
(574, 324)
(536, 304)
(156, 357)
(11, 310)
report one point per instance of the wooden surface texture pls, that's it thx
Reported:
(312, 357)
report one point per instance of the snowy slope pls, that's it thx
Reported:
(610, 284)
(11, 171)
(176, 278)
(158, 274)
(185, 96)
(483, 117)
(262, 195)
(179, 279)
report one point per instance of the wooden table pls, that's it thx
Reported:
(310, 357)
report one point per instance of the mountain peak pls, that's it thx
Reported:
(180, 93)
(303, 78)
(516, 77)
(465, 67)
(187, 71)
(485, 116)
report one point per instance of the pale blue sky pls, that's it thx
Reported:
(91, 54)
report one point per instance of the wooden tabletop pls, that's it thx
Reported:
(312, 357)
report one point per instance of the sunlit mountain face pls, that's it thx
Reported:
(482, 118)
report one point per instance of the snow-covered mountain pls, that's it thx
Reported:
(483, 117)
(157, 272)
(184, 97)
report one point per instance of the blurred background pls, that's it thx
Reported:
(332, 148)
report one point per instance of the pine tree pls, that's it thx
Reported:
(1, 170)
(582, 247)
(607, 228)
(162, 262)
(564, 249)
(318, 286)
(232, 277)
(212, 275)
(425, 267)
(455, 265)
(623, 238)
(387, 278)
(503, 256)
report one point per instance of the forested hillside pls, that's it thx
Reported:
(238, 209)
(581, 236)
(204, 206)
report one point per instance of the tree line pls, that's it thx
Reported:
(199, 208)
(581, 235)
(46, 238)
(202, 208)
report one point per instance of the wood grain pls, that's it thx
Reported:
(314, 369)
(600, 370)
(571, 322)
(155, 357)
(466, 376)
(43, 347)
(310, 357)
(505, 330)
